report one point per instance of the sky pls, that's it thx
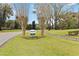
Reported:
(33, 17)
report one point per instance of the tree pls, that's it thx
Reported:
(1, 18)
(29, 26)
(5, 12)
(33, 25)
(69, 21)
(78, 16)
(22, 16)
(43, 12)
(58, 9)
(9, 24)
(12, 24)
(17, 25)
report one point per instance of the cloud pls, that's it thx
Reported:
(70, 4)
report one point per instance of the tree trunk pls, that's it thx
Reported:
(78, 23)
(23, 31)
(52, 26)
(23, 28)
(42, 31)
(0, 28)
(42, 26)
(56, 27)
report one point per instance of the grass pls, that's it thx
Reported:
(46, 46)
(64, 32)
(15, 30)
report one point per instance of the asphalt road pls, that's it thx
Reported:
(4, 37)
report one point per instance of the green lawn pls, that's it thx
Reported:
(15, 30)
(62, 32)
(46, 46)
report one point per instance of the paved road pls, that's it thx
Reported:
(4, 37)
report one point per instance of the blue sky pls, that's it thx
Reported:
(32, 16)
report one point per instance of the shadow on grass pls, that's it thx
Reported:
(33, 38)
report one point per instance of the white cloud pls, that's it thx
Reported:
(70, 4)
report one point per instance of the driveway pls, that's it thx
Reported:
(7, 36)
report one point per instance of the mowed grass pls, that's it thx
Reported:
(15, 30)
(62, 32)
(40, 46)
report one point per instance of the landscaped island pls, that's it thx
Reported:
(48, 45)
(41, 29)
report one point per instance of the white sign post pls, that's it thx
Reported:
(32, 33)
